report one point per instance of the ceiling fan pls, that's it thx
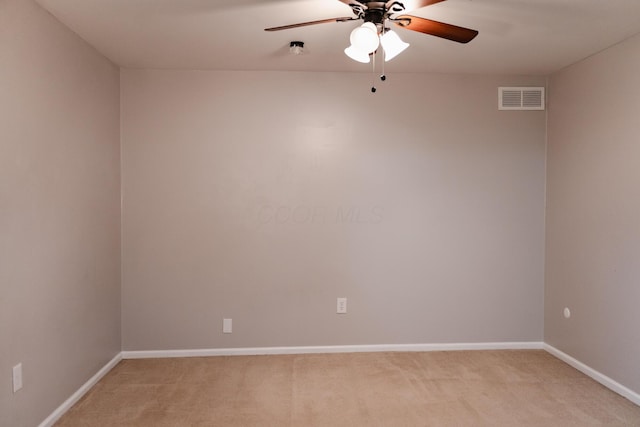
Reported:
(380, 12)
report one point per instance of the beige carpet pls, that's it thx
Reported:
(462, 388)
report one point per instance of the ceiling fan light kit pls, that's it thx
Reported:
(365, 41)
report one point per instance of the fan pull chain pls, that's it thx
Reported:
(373, 72)
(383, 76)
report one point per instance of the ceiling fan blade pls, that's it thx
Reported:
(435, 28)
(353, 3)
(304, 24)
(407, 5)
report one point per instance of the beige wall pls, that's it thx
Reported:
(593, 213)
(59, 212)
(264, 196)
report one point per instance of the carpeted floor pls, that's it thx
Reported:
(461, 388)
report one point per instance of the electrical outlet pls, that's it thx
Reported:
(17, 377)
(342, 306)
(227, 326)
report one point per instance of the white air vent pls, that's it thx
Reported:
(521, 98)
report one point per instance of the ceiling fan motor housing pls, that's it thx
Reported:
(376, 12)
(375, 16)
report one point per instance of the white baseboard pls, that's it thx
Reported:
(598, 376)
(62, 409)
(251, 351)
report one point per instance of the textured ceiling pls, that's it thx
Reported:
(516, 36)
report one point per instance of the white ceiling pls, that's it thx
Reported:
(516, 36)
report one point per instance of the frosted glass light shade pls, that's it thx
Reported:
(392, 45)
(357, 54)
(365, 37)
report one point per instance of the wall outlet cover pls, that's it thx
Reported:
(17, 377)
(342, 306)
(227, 326)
